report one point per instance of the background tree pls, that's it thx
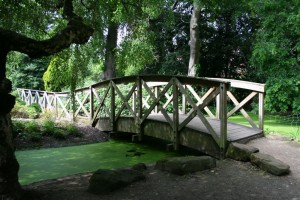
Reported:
(276, 53)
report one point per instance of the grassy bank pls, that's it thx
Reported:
(288, 125)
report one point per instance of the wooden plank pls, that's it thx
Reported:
(175, 116)
(91, 104)
(156, 101)
(245, 114)
(81, 104)
(241, 104)
(197, 110)
(126, 99)
(258, 87)
(101, 104)
(235, 132)
(112, 106)
(261, 111)
(200, 100)
(223, 119)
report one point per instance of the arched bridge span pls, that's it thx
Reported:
(186, 111)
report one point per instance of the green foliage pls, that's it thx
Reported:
(276, 49)
(25, 72)
(21, 110)
(17, 128)
(60, 134)
(134, 55)
(48, 128)
(73, 130)
(32, 131)
(283, 95)
(57, 75)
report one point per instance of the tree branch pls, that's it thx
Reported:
(76, 32)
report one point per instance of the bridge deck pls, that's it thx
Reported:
(235, 132)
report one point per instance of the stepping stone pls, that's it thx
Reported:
(184, 165)
(270, 164)
(240, 152)
(104, 181)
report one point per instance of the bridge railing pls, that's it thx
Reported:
(139, 97)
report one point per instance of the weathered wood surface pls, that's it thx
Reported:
(235, 132)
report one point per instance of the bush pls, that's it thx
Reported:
(48, 128)
(35, 136)
(21, 110)
(17, 128)
(59, 134)
(73, 130)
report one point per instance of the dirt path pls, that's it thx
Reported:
(230, 180)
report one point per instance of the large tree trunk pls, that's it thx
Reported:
(194, 41)
(75, 32)
(9, 166)
(110, 52)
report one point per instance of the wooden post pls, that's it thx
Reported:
(156, 95)
(55, 105)
(175, 116)
(218, 107)
(30, 97)
(91, 104)
(139, 107)
(261, 110)
(184, 102)
(223, 119)
(112, 107)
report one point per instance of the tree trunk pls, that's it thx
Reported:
(194, 41)
(75, 32)
(9, 166)
(110, 52)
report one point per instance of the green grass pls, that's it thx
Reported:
(272, 124)
(37, 165)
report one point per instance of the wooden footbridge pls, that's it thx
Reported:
(186, 111)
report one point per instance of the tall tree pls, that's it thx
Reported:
(75, 32)
(194, 39)
(276, 52)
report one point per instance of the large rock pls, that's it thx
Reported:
(104, 181)
(269, 164)
(184, 165)
(240, 152)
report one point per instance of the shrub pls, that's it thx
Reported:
(35, 136)
(17, 128)
(59, 134)
(31, 127)
(48, 128)
(73, 130)
(21, 110)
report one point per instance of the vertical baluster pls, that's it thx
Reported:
(175, 115)
(91, 104)
(261, 110)
(139, 107)
(112, 107)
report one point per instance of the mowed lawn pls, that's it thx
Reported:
(288, 126)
